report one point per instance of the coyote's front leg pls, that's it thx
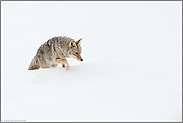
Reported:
(59, 61)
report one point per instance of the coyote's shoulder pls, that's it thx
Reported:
(55, 51)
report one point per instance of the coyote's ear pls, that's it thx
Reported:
(78, 42)
(72, 43)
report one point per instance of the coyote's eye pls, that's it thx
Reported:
(76, 53)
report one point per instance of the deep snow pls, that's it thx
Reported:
(131, 69)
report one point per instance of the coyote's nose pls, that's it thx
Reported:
(81, 59)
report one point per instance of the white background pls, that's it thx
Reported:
(131, 70)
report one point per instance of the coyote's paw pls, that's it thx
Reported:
(67, 67)
(63, 65)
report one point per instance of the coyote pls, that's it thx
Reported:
(55, 51)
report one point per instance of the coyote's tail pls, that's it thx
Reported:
(34, 64)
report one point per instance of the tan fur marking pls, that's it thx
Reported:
(77, 42)
(59, 61)
(79, 57)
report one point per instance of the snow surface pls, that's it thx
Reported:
(131, 69)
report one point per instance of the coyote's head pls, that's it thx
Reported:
(74, 49)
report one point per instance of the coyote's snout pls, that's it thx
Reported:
(55, 51)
